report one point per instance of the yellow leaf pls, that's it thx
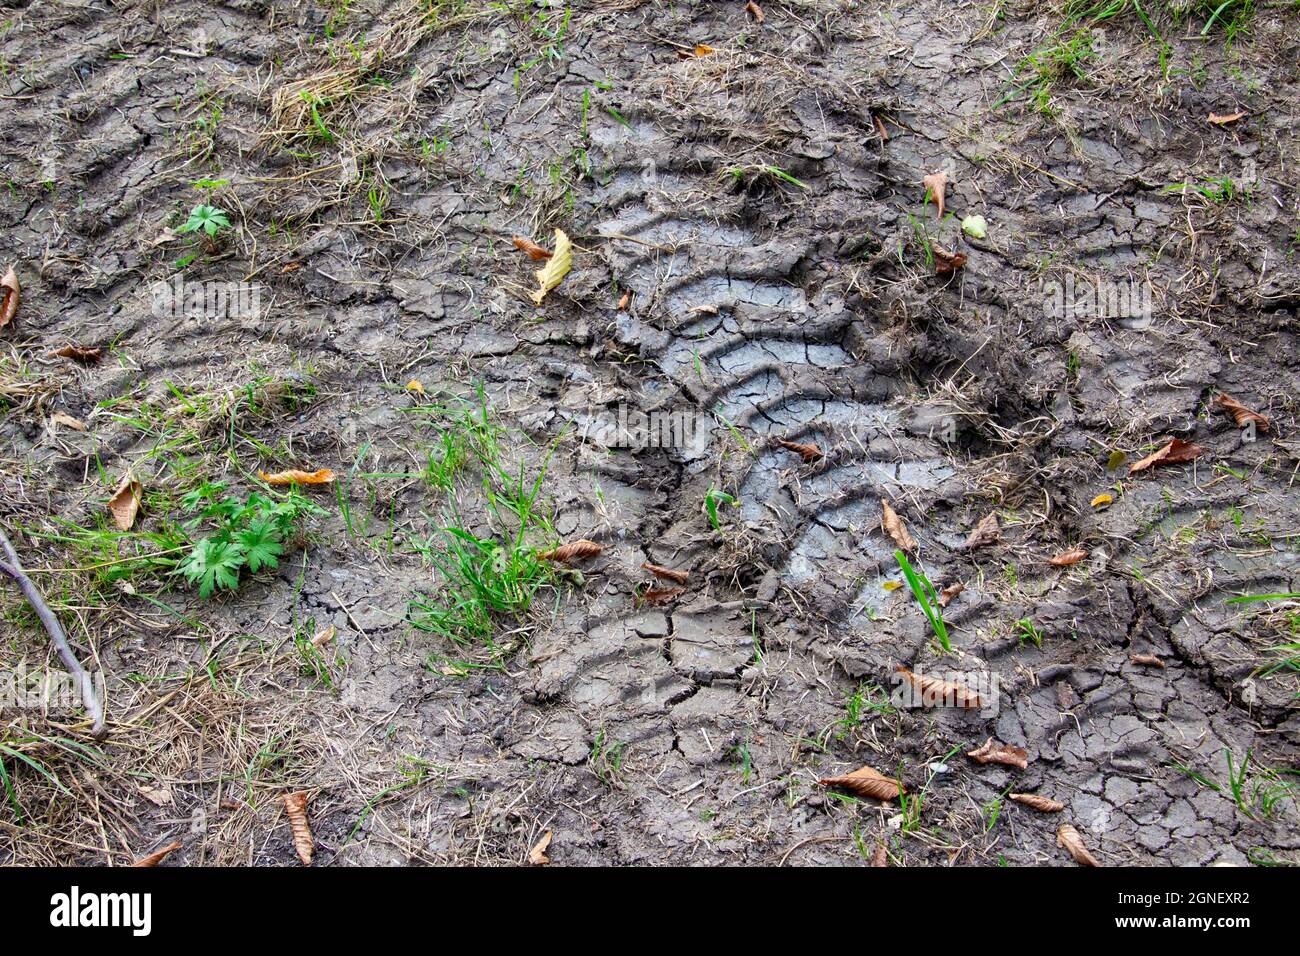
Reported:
(892, 585)
(557, 267)
(322, 476)
(414, 386)
(1102, 501)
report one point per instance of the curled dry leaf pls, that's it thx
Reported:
(153, 859)
(557, 267)
(125, 503)
(624, 300)
(668, 574)
(1008, 754)
(1041, 804)
(950, 592)
(936, 187)
(940, 693)
(533, 249)
(578, 550)
(1101, 501)
(701, 49)
(866, 782)
(1067, 558)
(895, 528)
(323, 637)
(946, 262)
(416, 386)
(1242, 415)
(78, 353)
(661, 595)
(880, 128)
(67, 421)
(321, 476)
(880, 857)
(986, 532)
(12, 295)
(295, 805)
(1068, 837)
(1174, 453)
(537, 855)
(1147, 660)
(808, 453)
(1223, 119)
(755, 11)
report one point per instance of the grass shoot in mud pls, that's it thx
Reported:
(928, 598)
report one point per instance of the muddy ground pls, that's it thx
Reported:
(784, 284)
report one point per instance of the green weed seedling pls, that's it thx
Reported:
(927, 597)
(714, 497)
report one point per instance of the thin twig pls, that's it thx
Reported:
(14, 568)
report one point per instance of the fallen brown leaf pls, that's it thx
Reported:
(537, 855)
(895, 528)
(1041, 804)
(1067, 558)
(290, 267)
(1068, 837)
(880, 857)
(125, 503)
(1240, 413)
(1008, 754)
(936, 692)
(701, 49)
(986, 532)
(13, 294)
(1223, 119)
(880, 128)
(945, 261)
(158, 796)
(321, 476)
(1174, 453)
(533, 249)
(661, 595)
(668, 574)
(626, 298)
(755, 11)
(153, 859)
(1148, 660)
(936, 185)
(866, 782)
(323, 636)
(573, 551)
(950, 592)
(808, 453)
(295, 805)
(67, 421)
(78, 353)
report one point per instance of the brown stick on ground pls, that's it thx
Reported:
(13, 567)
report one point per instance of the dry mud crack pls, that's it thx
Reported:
(777, 259)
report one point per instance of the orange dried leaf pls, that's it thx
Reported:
(936, 187)
(661, 595)
(946, 262)
(125, 503)
(809, 453)
(1223, 119)
(935, 692)
(78, 353)
(880, 128)
(13, 294)
(1041, 804)
(624, 300)
(755, 11)
(1067, 558)
(1147, 660)
(950, 592)
(1068, 837)
(1008, 754)
(322, 476)
(533, 249)
(668, 574)
(1174, 453)
(1240, 413)
(323, 637)
(67, 421)
(573, 551)
(537, 855)
(866, 782)
(1101, 501)
(295, 806)
(895, 528)
(153, 859)
(880, 857)
(986, 532)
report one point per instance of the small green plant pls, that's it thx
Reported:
(712, 498)
(209, 220)
(605, 759)
(927, 597)
(250, 534)
(1027, 630)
